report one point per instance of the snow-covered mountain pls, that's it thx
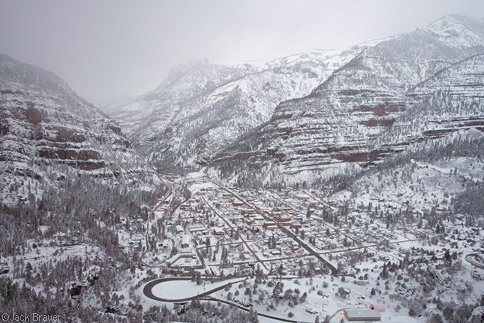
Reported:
(405, 89)
(45, 125)
(203, 106)
(82, 213)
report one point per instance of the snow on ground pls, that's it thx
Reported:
(322, 299)
(391, 317)
(423, 184)
(195, 175)
(419, 185)
(42, 253)
(196, 187)
(180, 289)
(468, 168)
(342, 196)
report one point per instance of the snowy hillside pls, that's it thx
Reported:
(204, 106)
(45, 126)
(329, 186)
(67, 178)
(399, 91)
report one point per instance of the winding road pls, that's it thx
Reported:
(470, 258)
(148, 292)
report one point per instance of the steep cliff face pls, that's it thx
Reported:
(396, 92)
(203, 107)
(43, 123)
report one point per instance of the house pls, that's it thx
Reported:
(302, 197)
(135, 240)
(281, 219)
(362, 315)
(197, 229)
(4, 268)
(179, 229)
(284, 209)
(377, 307)
(270, 225)
(186, 241)
(214, 271)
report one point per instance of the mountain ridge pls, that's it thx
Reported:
(279, 79)
(374, 100)
(314, 103)
(45, 126)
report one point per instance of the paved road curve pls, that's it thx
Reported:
(148, 292)
(470, 258)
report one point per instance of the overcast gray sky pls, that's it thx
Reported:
(106, 48)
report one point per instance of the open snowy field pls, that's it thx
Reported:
(181, 289)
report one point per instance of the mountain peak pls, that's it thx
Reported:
(456, 19)
(12, 70)
(458, 30)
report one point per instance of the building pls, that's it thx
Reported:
(377, 307)
(362, 315)
(284, 209)
(270, 225)
(281, 219)
(186, 241)
(302, 197)
(195, 230)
